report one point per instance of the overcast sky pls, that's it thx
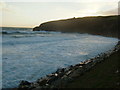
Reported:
(32, 13)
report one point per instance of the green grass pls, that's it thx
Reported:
(101, 76)
(99, 25)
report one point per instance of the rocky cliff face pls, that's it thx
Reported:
(101, 25)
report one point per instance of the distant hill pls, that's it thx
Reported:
(100, 25)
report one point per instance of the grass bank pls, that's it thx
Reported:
(104, 75)
(99, 25)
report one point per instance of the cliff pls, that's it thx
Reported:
(100, 25)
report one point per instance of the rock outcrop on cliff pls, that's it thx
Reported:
(100, 25)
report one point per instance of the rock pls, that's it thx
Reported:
(24, 83)
(80, 66)
(42, 81)
(60, 70)
(56, 74)
(117, 71)
(4, 32)
(52, 79)
(36, 29)
(68, 73)
(50, 75)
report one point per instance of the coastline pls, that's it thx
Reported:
(104, 75)
(62, 77)
(99, 25)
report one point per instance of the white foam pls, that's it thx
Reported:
(29, 58)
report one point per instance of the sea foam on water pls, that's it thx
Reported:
(29, 55)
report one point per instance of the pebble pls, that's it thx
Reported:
(56, 74)
(117, 71)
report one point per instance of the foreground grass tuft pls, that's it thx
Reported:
(104, 75)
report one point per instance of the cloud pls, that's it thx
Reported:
(29, 13)
(2, 5)
(112, 12)
(5, 7)
(61, 0)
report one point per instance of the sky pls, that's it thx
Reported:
(21, 13)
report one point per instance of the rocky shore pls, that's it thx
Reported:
(64, 76)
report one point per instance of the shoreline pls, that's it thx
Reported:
(97, 25)
(63, 76)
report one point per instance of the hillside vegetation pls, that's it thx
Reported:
(100, 25)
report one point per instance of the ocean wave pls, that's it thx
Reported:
(44, 55)
(28, 32)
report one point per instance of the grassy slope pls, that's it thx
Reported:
(100, 25)
(101, 76)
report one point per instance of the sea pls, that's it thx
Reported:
(29, 55)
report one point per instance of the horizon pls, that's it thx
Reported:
(29, 15)
(50, 21)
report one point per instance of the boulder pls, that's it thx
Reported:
(36, 29)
